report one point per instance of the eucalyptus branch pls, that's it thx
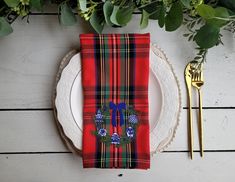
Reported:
(191, 23)
(213, 3)
(147, 4)
(201, 55)
(230, 27)
(203, 19)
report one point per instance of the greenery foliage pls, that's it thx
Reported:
(204, 19)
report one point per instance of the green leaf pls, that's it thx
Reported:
(213, 16)
(186, 3)
(230, 4)
(151, 8)
(124, 15)
(186, 35)
(155, 14)
(231, 13)
(5, 27)
(205, 11)
(154, 9)
(82, 4)
(113, 17)
(207, 36)
(190, 38)
(220, 12)
(97, 21)
(12, 3)
(36, 4)
(161, 19)
(108, 9)
(174, 18)
(144, 19)
(67, 16)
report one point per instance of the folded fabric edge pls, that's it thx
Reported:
(139, 164)
(137, 35)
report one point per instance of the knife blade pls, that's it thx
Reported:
(188, 80)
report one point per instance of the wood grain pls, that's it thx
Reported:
(29, 131)
(171, 167)
(35, 131)
(31, 55)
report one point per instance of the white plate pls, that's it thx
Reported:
(164, 101)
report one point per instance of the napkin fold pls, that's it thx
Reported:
(115, 74)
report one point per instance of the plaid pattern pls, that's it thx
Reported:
(115, 67)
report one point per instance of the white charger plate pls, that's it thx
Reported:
(164, 101)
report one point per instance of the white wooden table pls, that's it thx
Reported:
(30, 146)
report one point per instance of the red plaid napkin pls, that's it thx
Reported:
(115, 72)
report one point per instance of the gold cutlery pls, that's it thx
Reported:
(197, 82)
(188, 80)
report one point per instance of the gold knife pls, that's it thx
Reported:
(188, 80)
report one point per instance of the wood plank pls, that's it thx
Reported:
(30, 58)
(219, 129)
(169, 167)
(29, 131)
(31, 55)
(35, 131)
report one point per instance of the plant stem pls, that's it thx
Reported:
(226, 19)
(147, 4)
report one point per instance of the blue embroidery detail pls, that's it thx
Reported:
(115, 108)
(115, 139)
(102, 132)
(99, 117)
(126, 113)
(130, 132)
(133, 119)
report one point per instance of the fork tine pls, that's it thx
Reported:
(195, 75)
(192, 75)
(195, 70)
(198, 75)
(202, 76)
(201, 73)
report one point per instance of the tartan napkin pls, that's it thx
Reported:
(115, 74)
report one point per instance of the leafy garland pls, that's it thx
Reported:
(204, 19)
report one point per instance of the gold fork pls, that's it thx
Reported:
(197, 82)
